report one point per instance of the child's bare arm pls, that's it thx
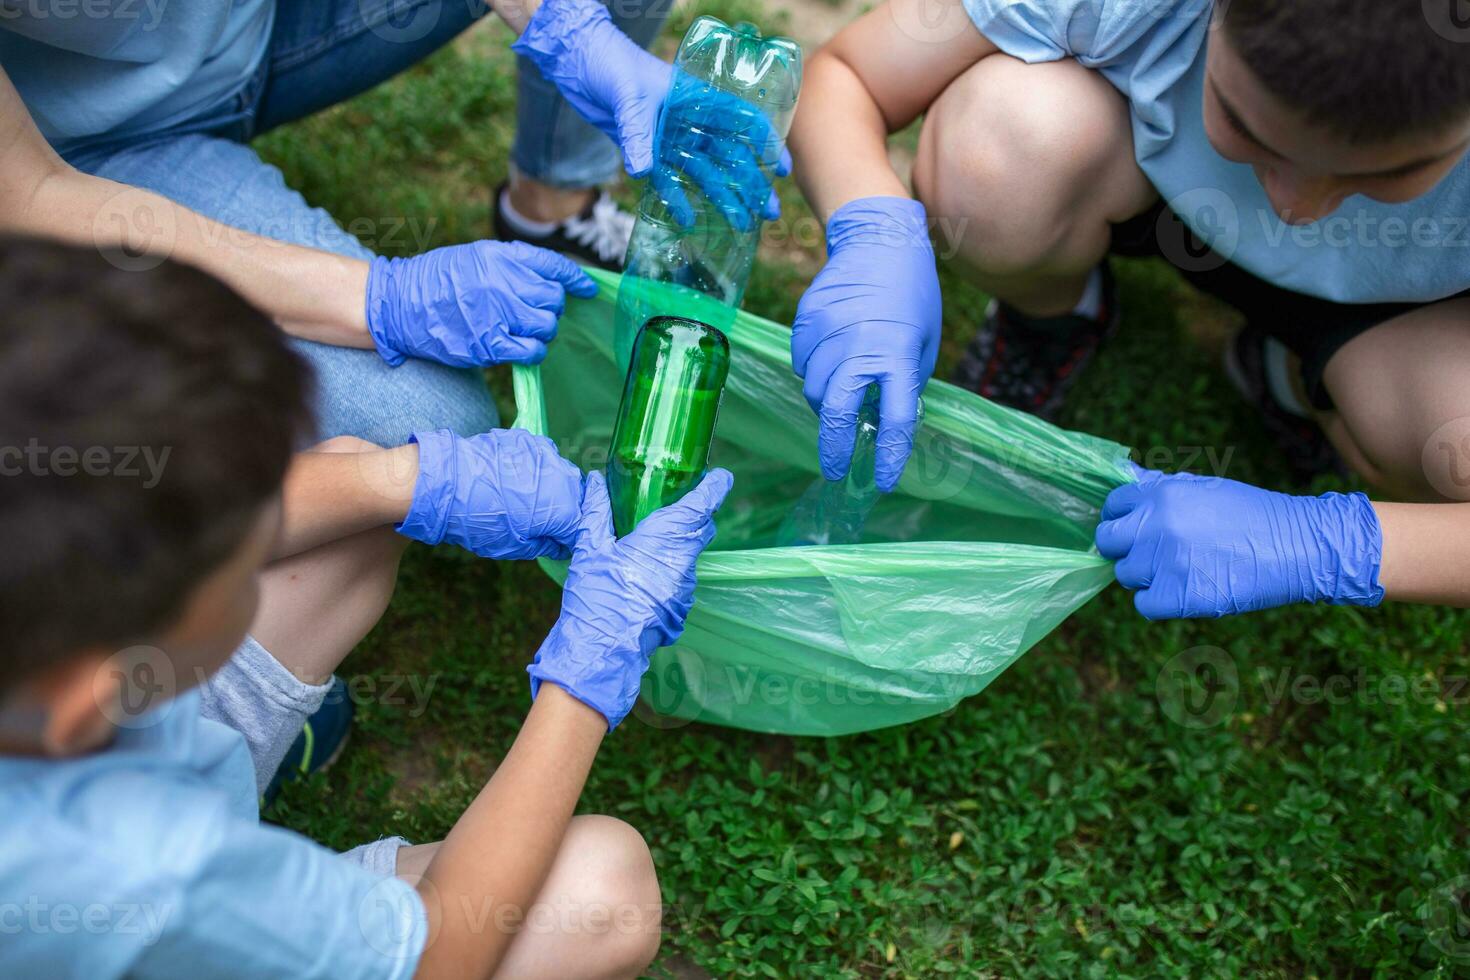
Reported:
(624, 598)
(875, 77)
(502, 494)
(413, 307)
(309, 293)
(1206, 546)
(342, 487)
(490, 868)
(1426, 552)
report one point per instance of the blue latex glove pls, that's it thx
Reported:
(619, 88)
(625, 598)
(471, 305)
(728, 152)
(503, 494)
(1195, 546)
(871, 315)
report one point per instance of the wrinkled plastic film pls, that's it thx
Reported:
(984, 547)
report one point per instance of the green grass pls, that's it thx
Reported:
(1058, 824)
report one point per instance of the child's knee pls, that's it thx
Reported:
(377, 553)
(618, 891)
(358, 586)
(1415, 467)
(1401, 407)
(1016, 152)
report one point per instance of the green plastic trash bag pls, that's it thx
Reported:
(985, 546)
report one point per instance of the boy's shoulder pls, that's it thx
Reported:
(142, 860)
(1099, 33)
(99, 846)
(167, 765)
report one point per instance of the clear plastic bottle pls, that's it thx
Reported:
(721, 133)
(835, 511)
(660, 442)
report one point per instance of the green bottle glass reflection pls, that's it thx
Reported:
(660, 443)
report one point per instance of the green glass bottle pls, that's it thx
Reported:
(660, 442)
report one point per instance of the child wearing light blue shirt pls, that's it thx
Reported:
(1304, 162)
(148, 859)
(168, 629)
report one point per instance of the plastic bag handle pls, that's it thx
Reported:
(530, 407)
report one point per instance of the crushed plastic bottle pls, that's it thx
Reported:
(671, 397)
(834, 512)
(721, 133)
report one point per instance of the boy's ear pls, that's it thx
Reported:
(72, 699)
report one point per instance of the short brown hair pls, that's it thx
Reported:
(145, 418)
(1367, 70)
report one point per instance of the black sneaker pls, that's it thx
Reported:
(598, 236)
(1031, 363)
(1301, 440)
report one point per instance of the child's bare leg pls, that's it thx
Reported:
(1024, 167)
(597, 916)
(316, 606)
(1395, 387)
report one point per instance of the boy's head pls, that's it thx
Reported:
(1330, 98)
(146, 422)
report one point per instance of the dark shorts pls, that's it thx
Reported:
(1314, 329)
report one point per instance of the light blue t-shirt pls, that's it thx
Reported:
(123, 68)
(1153, 52)
(148, 859)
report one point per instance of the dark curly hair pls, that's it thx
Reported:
(145, 418)
(1367, 70)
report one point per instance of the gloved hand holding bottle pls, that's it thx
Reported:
(726, 147)
(471, 305)
(618, 87)
(872, 315)
(1196, 546)
(503, 494)
(625, 598)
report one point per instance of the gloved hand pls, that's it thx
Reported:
(1204, 546)
(871, 315)
(728, 153)
(625, 598)
(503, 494)
(619, 88)
(471, 305)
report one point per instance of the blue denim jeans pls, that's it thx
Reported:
(321, 53)
(555, 145)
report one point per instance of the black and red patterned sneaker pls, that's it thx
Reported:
(1029, 362)
(1301, 440)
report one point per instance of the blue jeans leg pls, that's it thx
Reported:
(326, 51)
(555, 145)
(357, 393)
